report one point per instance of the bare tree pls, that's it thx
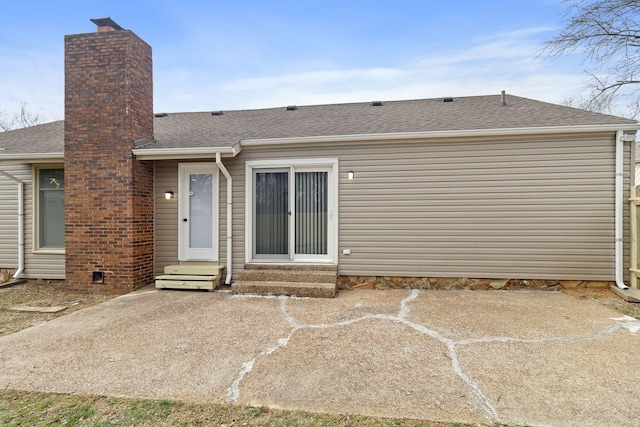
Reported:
(24, 118)
(607, 33)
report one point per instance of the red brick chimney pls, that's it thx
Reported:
(108, 193)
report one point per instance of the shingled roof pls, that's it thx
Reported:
(207, 130)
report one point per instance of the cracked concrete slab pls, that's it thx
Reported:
(180, 345)
(590, 381)
(524, 315)
(455, 356)
(358, 368)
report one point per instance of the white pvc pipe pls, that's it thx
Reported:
(20, 223)
(226, 174)
(619, 201)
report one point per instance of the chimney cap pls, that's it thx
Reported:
(106, 22)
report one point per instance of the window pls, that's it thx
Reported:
(50, 208)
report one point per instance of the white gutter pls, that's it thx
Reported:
(619, 201)
(20, 223)
(31, 158)
(441, 134)
(184, 153)
(226, 174)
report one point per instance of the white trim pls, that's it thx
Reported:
(439, 134)
(185, 153)
(334, 174)
(183, 193)
(32, 158)
(35, 200)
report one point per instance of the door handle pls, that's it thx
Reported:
(184, 219)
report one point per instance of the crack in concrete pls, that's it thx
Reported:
(628, 322)
(484, 403)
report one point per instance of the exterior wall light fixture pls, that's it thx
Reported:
(350, 175)
(168, 195)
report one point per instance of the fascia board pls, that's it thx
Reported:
(31, 158)
(442, 134)
(185, 153)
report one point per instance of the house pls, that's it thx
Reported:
(427, 192)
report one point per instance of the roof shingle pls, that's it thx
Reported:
(202, 129)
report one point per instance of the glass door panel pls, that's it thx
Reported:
(200, 210)
(271, 214)
(311, 219)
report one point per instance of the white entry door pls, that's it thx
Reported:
(198, 212)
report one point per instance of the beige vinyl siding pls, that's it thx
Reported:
(166, 215)
(536, 207)
(9, 215)
(522, 207)
(38, 265)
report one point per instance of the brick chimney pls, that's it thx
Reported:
(108, 193)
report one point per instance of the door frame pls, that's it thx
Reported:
(332, 208)
(184, 253)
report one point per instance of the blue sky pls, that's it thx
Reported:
(216, 55)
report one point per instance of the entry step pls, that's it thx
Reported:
(196, 269)
(190, 276)
(299, 289)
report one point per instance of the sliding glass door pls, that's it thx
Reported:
(291, 214)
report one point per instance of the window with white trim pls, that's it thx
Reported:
(49, 200)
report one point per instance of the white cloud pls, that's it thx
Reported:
(508, 61)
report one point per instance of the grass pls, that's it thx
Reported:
(43, 409)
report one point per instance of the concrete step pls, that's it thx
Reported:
(291, 266)
(309, 276)
(299, 289)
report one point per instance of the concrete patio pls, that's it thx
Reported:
(478, 357)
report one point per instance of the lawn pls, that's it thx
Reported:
(43, 409)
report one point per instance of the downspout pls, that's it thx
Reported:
(20, 223)
(226, 174)
(619, 201)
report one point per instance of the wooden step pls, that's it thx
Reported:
(209, 284)
(299, 289)
(194, 269)
(185, 277)
(190, 276)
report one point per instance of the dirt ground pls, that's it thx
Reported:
(606, 298)
(42, 293)
(39, 293)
